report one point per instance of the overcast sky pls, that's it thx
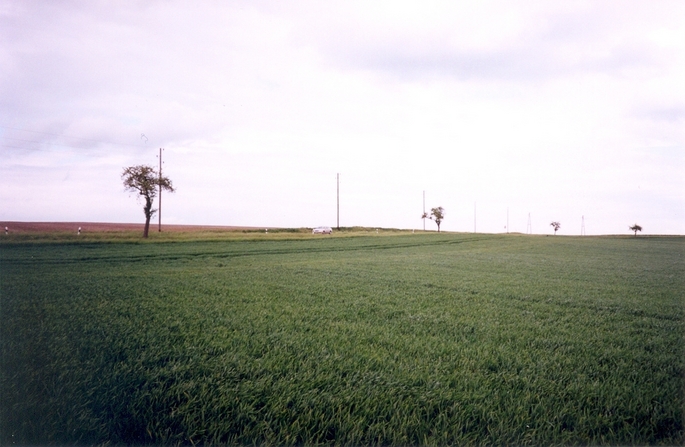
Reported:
(569, 111)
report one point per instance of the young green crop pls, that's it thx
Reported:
(414, 339)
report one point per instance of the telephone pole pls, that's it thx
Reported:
(159, 215)
(338, 199)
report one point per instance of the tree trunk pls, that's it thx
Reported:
(148, 214)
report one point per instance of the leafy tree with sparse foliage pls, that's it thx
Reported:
(437, 214)
(556, 226)
(145, 181)
(635, 228)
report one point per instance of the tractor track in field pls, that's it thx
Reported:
(118, 258)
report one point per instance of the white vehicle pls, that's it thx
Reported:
(322, 230)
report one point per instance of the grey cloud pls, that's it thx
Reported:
(108, 74)
(529, 61)
(548, 46)
(673, 114)
(211, 80)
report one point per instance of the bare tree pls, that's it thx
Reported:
(145, 181)
(556, 226)
(437, 214)
(635, 228)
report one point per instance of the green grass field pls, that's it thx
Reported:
(426, 339)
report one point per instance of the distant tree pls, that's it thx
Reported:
(145, 181)
(556, 226)
(437, 214)
(635, 228)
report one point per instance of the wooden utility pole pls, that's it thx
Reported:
(159, 215)
(424, 210)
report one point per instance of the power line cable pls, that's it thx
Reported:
(84, 139)
(67, 136)
(23, 148)
(31, 149)
(39, 142)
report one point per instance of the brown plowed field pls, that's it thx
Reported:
(47, 227)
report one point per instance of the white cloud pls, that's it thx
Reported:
(553, 109)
